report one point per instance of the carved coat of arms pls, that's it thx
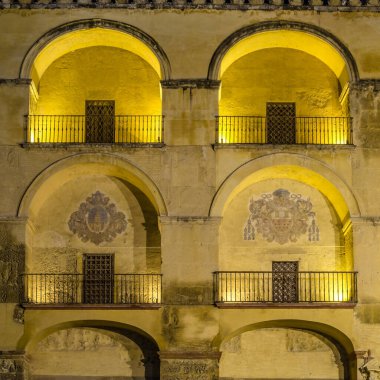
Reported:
(97, 220)
(281, 217)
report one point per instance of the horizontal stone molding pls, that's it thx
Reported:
(214, 355)
(204, 4)
(190, 83)
(13, 219)
(372, 220)
(190, 220)
(15, 81)
(366, 84)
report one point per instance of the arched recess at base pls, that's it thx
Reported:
(146, 343)
(337, 338)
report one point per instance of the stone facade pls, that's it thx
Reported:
(189, 190)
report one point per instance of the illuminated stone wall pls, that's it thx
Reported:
(104, 354)
(238, 253)
(55, 248)
(98, 73)
(279, 75)
(270, 353)
(181, 220)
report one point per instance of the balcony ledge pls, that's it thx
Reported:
(91, 147)
(280, 305)
(282, 147)
(144, 306)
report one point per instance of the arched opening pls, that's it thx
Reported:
(95, 82)
(92, 236)
(283, 83)
(90, 349)
(285, 237)
(284, 349)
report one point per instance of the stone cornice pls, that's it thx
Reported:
(373, 220)
(189, 219)
(365, 84)
(295, 5)
(190, 83)
(16, 81)
(13, 219)
(214, 355)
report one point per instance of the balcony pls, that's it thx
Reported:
(64, 289)
(95, 129)
(283, 130)
(292, 289)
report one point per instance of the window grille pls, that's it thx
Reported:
(100, 121)
(281, 123)
(98, 283)
(284, 281)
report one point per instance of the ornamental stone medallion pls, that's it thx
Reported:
(97, 220)
(281, 217)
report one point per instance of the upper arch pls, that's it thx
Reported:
(311, 39)
(92, 32)
(292, 166)
(81, 164)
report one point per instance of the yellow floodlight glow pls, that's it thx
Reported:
(291, 39)
(76, 40)
(300, 174)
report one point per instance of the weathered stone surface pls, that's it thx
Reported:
(12, 264)
(189, 369)
(13, 366)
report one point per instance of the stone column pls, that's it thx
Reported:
(189, 365)
(190, 106)
(13, 365)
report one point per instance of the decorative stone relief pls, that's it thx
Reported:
(232, 345)
(13, 366)
(18, 314)
(370, 370)
(170, 322)
(97, 220)
(189, 369)
(79, 339)
(7, 366)
(281, 217)
(300, 341)
(11, 266)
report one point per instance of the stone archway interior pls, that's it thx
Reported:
(279, 353)
(83, 353)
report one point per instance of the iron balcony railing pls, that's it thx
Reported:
(307, 130)
(285, 287)
(80, 129)
(72, 288)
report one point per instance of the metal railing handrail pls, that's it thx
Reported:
(313, 130)
(265, 271)
(77, 288)
(94, 129)
(285, 287)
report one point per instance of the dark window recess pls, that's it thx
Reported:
(100, 121)
(98, 286)
(285, 281)
(281, 123)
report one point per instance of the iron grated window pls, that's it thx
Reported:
(100, 121)
(281, 123)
